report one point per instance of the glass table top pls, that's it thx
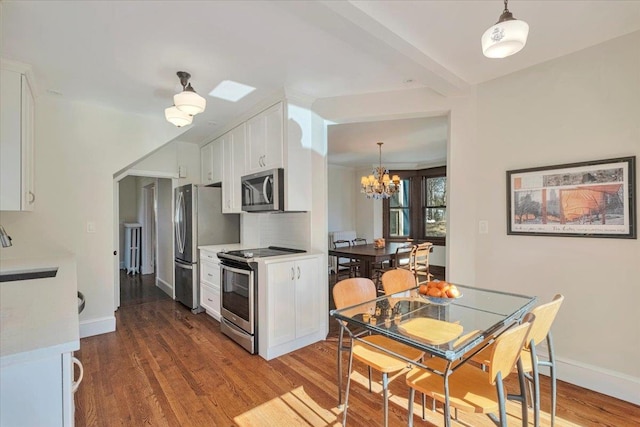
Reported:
(448, 331)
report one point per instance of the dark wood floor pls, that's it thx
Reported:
(138, 289)
(165, 366)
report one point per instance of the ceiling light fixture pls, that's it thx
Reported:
(177, 117)
(506, 37)
(186, 103)
(378, 185)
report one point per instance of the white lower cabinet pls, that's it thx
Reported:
(294, 313)
(39, 391)
(210, 283)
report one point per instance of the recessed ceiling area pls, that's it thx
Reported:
(408, 143)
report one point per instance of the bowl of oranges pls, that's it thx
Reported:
(439, 292)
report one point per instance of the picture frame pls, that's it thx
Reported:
(585, 199)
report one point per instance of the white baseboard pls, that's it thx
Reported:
(89, 328)
(605, 381)
(166, 287)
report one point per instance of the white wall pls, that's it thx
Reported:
(78, 149)
(585, 106)
(341, 194)
(164, 264)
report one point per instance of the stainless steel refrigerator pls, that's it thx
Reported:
(198, 221)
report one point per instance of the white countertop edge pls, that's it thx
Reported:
(39, 353)
(289, 257)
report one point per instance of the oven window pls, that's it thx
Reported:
(235, 293)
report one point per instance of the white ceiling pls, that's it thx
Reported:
(124, 54)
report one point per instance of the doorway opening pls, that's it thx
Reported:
(145, 264)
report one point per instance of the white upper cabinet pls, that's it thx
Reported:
(265, 140)
(233, 168)
(17, 170)
(211, 162)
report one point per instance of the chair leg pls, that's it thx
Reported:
(340, 339)
(552, 372)
(536, 386)
(412, 394)
(385, 393)
(346, 395)
(501, 401)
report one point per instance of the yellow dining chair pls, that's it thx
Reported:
(397, 280)
(353, 291)
(472, 389)
(545, 315)
(419, 262)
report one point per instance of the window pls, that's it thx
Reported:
(418, 210)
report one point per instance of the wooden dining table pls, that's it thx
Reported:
(368, 254)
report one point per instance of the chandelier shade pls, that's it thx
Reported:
(188, 101)
(379, 185)
(186, 104)
(506, 37)
(177, 117)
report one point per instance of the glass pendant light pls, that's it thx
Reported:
(506, 37)
(188, 101)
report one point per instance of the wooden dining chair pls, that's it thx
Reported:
(397, 280)
(347, 266)
(545, 315)
(353, 291)
(472, 389)
(419, 262)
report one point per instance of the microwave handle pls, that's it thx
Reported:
(265, 184)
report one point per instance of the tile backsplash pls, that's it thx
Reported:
(287, 229)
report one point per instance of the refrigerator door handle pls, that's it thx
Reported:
(180, 222)
(184, 265)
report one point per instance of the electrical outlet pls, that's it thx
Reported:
(91, 227)
(483, 227)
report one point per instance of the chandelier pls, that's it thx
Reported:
(378, 185)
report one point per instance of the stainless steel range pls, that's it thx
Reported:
(239, 293)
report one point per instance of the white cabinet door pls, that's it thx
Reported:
(281, 302)
(16, 142)
(294, 293)
(34, 393)
(239, 137)
(211, 162)
(264, 140)
(307, 291)
(233, 168)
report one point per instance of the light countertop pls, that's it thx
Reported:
(38, 316)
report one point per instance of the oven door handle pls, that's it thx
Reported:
(247, 271)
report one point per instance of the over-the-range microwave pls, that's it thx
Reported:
(263, 191)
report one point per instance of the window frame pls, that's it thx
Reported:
(417, 205)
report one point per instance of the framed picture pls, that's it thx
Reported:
(588, 199)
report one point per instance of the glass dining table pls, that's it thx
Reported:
(453, 330)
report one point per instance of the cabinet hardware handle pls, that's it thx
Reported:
(32, 197)
(298, 272)
(209, 274)
(76, 384)
(209, 299)
(293, 274)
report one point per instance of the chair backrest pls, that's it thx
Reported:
(420, 257)
(397, 280)
(545, 315)
(359, 241)
(348, 292)
(507, 348)
(341, 244)
(403, 255)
